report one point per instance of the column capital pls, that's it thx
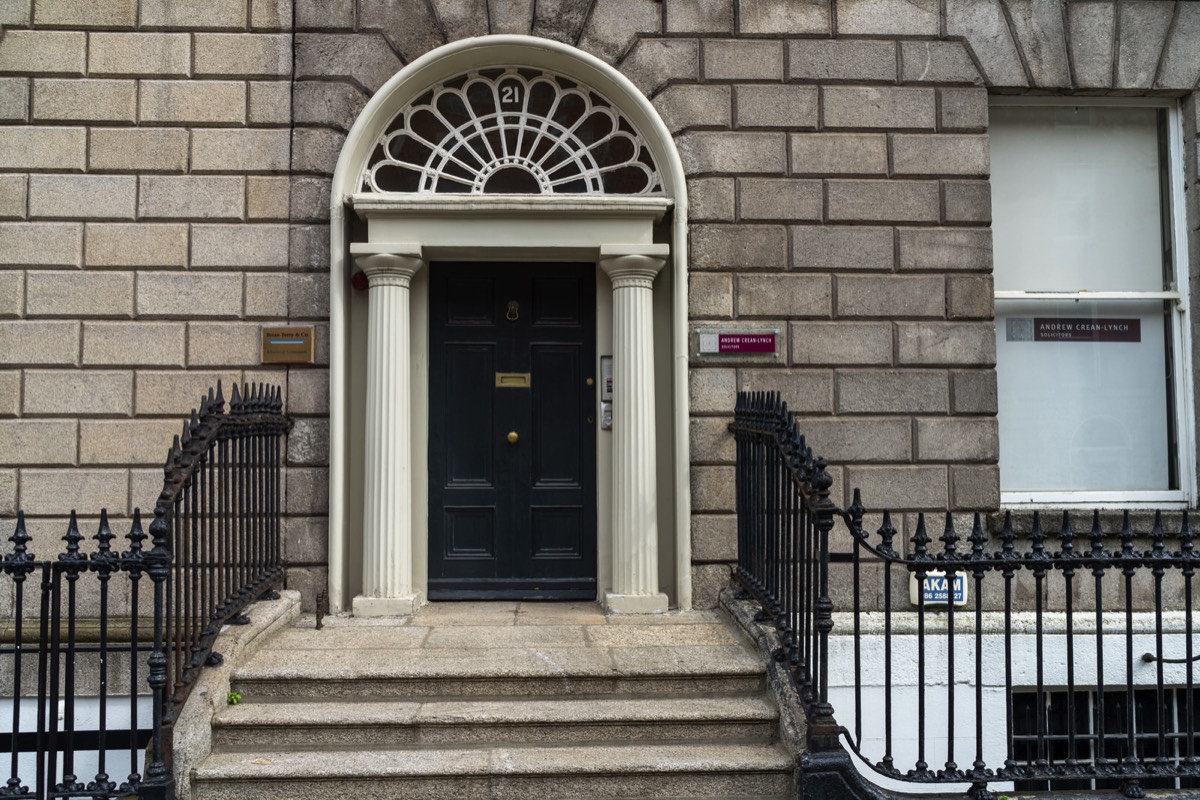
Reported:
(633, 265)
(388, 264)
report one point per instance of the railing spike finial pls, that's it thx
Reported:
(1158, 537)
(73, 537)
(949, 538)
(220, 393)
(136, 535)
(857, 510)
(1037, 536)
(887, 534)
(1186, 547)
(1067, 536)
(1096, 535)
(921, 540)
(1007, 538)
(104, 535)
(20, 540)
(216, 401)
(1126, 535)
(977, 537)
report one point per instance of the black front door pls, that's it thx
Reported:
(512, 439)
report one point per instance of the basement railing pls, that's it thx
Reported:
(101, 649)
(1018, 659)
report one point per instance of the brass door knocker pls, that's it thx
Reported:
(513, 311)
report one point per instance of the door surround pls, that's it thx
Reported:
(418, 228)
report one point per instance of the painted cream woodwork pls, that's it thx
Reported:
(632, 269)
(637, 529)
(387, 523)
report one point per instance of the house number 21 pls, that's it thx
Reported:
(510, 94)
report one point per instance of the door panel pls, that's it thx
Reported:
(470, 301)
(558, 382)
(554, 532)
(468, 441)
(512, 519)
(470, 533)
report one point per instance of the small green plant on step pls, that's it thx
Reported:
(233, 698)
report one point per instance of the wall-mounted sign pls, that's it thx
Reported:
(939, 590)
(737, 342)
(287, 345)
(1073, 329)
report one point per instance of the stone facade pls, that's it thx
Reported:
(164, 192)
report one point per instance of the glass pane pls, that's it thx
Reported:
(1076, 199)
(1083, 395)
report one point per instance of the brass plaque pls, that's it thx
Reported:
(287, 345)
(512, 380)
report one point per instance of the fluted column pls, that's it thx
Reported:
(387, 514)
(635, 589)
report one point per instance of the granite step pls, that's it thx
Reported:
(402, 724)
(278, 674)
(713, 770)
(493, 701)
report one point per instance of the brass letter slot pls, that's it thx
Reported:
(512, 380)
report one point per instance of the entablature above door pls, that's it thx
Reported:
(510, 227)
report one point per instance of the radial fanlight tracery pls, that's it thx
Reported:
(511, 131)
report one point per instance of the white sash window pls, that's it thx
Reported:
(1091, 301)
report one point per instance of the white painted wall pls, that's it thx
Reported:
(87, 718)
(938, 680)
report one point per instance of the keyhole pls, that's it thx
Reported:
(514, 310)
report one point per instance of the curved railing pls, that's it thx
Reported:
(216, 543)
(1058, 658)
(98, 628)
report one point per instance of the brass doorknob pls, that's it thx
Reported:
(512, 437)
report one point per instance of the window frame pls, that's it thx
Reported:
(1181, 340)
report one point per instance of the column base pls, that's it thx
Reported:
(401, 606)
(635, 603)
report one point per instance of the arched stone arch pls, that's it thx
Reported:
(379, 407)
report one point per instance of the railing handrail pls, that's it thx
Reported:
(784, 521)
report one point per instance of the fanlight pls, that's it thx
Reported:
(511, 131)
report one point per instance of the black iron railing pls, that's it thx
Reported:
(55, 657)
(1041, 658)
(153, 610)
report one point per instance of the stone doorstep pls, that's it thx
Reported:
(399, 724)
(535, 670)
(584, 707)
(690, 770)
(605, 760)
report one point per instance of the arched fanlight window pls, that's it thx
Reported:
(511, 131)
